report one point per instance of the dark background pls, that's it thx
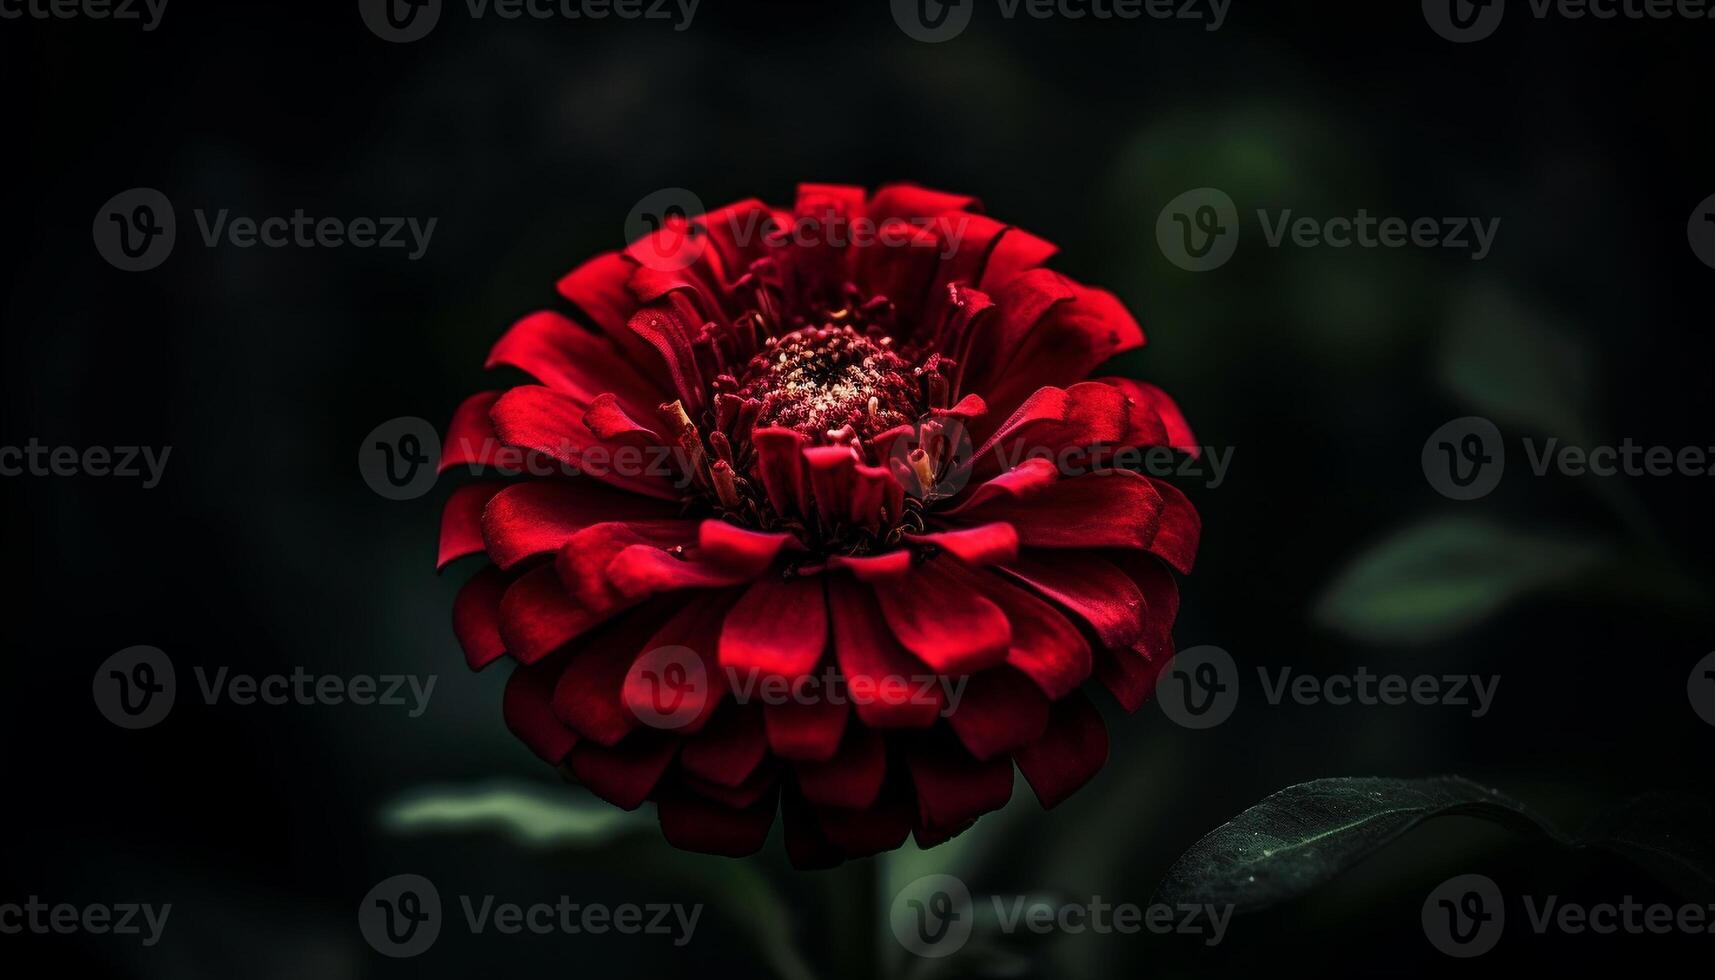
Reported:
(530, 141)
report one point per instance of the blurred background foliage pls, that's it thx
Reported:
(1324, 550)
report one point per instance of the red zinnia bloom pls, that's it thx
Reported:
(816, 511)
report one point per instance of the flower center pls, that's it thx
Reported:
(823, 381)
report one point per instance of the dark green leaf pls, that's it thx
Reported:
(1305, 835)
(1505, 360)
(1436, 578)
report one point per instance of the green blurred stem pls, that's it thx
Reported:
(853, 897)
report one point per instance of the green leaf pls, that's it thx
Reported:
(1307, 834)
(1505, 360)
(1436, 578)
(527, 815)
(1668, 835)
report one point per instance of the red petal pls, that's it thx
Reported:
(1046, 647)
(780, 627)
(625, 774)
(852, 777)
(543, 421)
(537, 617)
(1069, 754)
(809, 729)
(1130, 674)
(1055, 421)
(1089, 586)
(912, 201)
(937, 616)
(780, 464)
(476, 617)
(533, 518)
(461, 521)
(590, 695)
(1105, 509)
(877, 669)
(729, 748)
(985, 544)
(683, 640)
(1151, 402)
(570, 359)
(953, 788)
(891, 567)
(471, 440)
(999, 710)
(1181, 529)
(529, 716)
(873, 830)
(696, 824)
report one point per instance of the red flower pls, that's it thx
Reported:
(815, 511)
